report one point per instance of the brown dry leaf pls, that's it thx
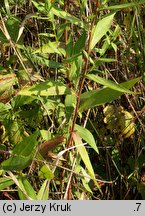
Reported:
(50, 145)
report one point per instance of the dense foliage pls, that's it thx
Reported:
(72, 108)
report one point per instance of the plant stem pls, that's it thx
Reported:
(68, 196)
(80, 87)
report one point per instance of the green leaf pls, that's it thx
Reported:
(80, 44)
(70, 102)
(5, 182)
(12, 25)
(64, 15)
(27, 189)
(85, 180)
(40, 6)
(87, 136)
(85, 157)
(4, 110)
(21, 100)
(95, 98)
(45, 173)
(101, 29)
(109, 83)
(101, 61)
(84, 154)
(44, 191)
(50, 47)
(14, 130)
(7, 6)
(45, 134)
(16, 163)
(26, 147)
(48, 88)
(75, 69)
(69, 46)
(122, 6)
(41, 60)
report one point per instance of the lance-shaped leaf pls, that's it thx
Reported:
(64, 15)
(25, 148)
(44, 191)
(16, 163)
(100, 29)
(87, 136)
(85, 157)
(105, 95)
(109, 83)
(83, 153)
(22, 154)
(122, 6)
(5, 182)
(26, 189)
(48, 88)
